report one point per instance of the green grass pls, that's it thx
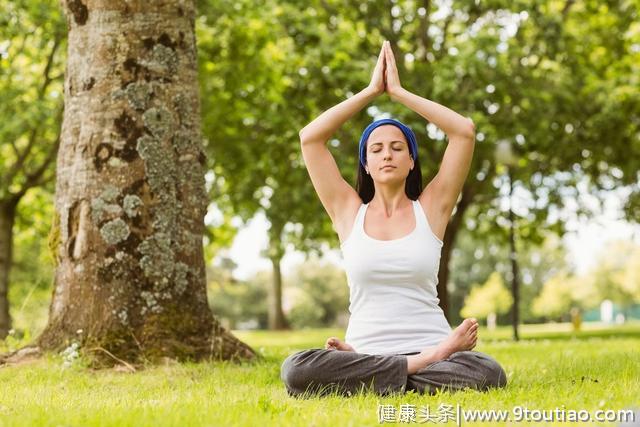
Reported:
(595, 369)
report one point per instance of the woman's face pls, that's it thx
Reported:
(388, 156)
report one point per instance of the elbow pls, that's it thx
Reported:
(302, 134)
(471, 130)
(468, 130)
(306, 138)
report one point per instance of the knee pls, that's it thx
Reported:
(295, 373)
(495, 376)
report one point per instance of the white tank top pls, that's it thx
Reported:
(392, 283)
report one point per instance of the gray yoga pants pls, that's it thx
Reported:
(320, 371)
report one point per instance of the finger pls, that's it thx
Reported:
(389, 54)
(381, 58)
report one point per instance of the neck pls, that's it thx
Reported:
(389, 199)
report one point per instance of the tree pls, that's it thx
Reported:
(236, 301)
(491, 298)
(475, 258)
(613, 277)
(630, 279)
(32, 269)
(561, 293)
(322, 294)
(30, 107)
(130, 193)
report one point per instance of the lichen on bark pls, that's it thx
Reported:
(132, 205)
(115, 231)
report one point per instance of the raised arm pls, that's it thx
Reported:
(334, 192)
(447, 184)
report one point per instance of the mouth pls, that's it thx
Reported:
(387, 167)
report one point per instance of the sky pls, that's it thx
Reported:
(585, 241)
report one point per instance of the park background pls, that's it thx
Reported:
(552, 87)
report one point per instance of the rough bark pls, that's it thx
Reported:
(449, 240)
(130, 196)
(7, 219)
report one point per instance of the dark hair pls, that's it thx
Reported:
(412, 186)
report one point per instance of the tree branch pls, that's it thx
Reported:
(22, 157)
(35, 178)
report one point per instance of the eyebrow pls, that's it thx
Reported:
(380, 143)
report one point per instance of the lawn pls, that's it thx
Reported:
(597, 369)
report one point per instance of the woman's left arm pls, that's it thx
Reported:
(456, 162)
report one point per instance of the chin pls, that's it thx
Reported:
(389, 179)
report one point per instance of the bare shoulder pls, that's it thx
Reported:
(345, 215)
(436, 212)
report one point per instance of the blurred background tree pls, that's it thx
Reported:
(322, 297)
(240, 304)
(32, 54)
(561, 293)
(488, 300)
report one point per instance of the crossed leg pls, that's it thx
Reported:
(321, 371)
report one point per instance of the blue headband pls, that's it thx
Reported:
(408, 134)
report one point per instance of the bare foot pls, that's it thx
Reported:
(464, 337)
(334, 343)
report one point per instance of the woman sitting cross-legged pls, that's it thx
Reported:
(391, 232)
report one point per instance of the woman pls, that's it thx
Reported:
(391, 238)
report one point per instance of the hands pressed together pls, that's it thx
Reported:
(385, 76)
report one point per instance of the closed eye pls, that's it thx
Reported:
(395, 149)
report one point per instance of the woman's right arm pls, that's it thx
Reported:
(334, 192)
(320, 130)
(326, 124)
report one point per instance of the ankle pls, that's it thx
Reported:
(415, 363)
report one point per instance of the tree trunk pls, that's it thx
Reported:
(449, 241)
(130, 195)
(277, 321)
(515, 284)
(7, 218)
(275, 252)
